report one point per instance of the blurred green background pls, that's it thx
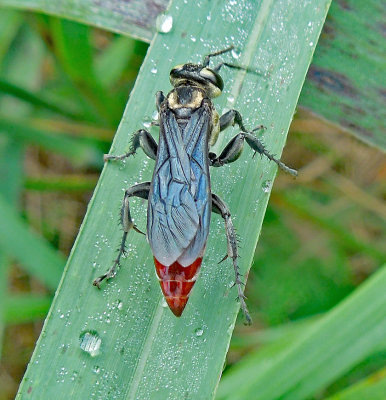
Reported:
(63, 88)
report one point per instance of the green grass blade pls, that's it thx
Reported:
(14, 67)
(73, 47)
(10, 22)
(349, 93)
(145, 352)
(373, 387)
(14, 90)
(61, 184)
(300, 204)
(111, 63)
(349, 333)
(136, 18)
(72, 148)
(25, 308)
(33, 252)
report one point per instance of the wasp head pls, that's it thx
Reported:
(197, 75)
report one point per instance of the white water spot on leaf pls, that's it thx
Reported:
(266, 186)
(164, 23)
(90, 342)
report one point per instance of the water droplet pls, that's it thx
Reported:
(164, 304)
(154, 70)
(74, 375)
(164, 23)
(90, 342)
(96, 369)
(266, 186)
(154, 116)
(231, 99)
(199, 332)
(311, 44)
(193, 39)
(146, 122)
(63, 348)
(119, 305)
(230, 329)
(236, 53)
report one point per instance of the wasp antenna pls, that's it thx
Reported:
(216, 53)
(241, 68)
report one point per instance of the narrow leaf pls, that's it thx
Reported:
(36, 100)
(111, 63)
(72, 148)
(61, 183)
(136, 18)
(349, 333)
(373, 387)
(25, 308)
(30, 250)
(140, 348)
(12, 152)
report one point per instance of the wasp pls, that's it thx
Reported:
(180, 200)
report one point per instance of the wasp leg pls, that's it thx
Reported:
(140, 190)
(142, 139)
(219, 207)
(234, 148)
(232, 117)
(159, 98)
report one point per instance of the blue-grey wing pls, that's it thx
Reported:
(179, 200)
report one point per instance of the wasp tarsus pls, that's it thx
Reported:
(179, 196)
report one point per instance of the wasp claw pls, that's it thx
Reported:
(138, 230)
(97, 281)
(260, 127)
(225, 257)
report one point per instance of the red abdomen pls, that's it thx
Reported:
(176, 283)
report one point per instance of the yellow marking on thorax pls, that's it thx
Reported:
(173, 101)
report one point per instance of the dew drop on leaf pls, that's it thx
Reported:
(164, 23)
(266, 186)
(90, 342)
(199, 332)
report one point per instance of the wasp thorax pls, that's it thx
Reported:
(197, 75)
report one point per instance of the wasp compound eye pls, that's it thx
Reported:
(175, 70)
(213, 77)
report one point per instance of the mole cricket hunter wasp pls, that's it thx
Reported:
(179, 195)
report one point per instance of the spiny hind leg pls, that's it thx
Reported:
(234, 148)
(141, 190)
(219, 207)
